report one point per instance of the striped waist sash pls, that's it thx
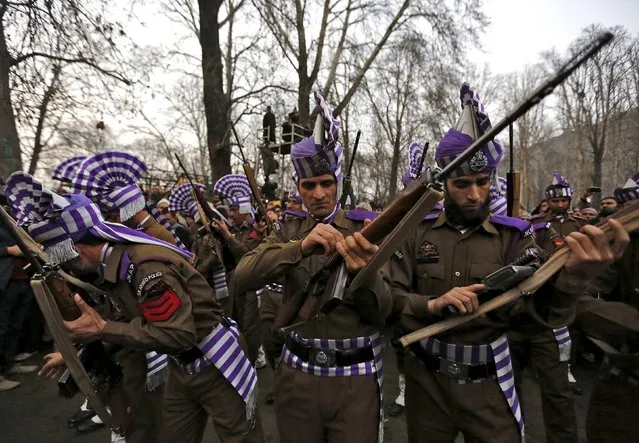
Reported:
(222, 349)
(562, 336)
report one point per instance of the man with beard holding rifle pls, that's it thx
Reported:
(462, 380)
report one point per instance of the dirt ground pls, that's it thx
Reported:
(35, 413)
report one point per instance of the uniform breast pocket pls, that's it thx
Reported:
(478, 271)
(430, 278)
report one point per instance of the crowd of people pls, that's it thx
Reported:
(201, 294)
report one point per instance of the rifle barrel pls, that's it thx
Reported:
(535, 97)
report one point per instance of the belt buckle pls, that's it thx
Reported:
(324, 358)
(453, 369)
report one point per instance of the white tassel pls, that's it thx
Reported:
(61, 252)
(128, 211)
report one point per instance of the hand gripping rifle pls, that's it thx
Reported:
(250, 175)
(346, 189)
(55, 298)
(407, 211)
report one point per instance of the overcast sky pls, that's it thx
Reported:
(521, 29)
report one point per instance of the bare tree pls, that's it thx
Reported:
(357, 31)
(597, 96)
(37, 39)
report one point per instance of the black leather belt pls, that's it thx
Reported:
(450, 368)
(327, 358)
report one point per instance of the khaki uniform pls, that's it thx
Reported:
(245, 303)
(156, 230)
(538, 346)
(432, 260)
(312, 408)
(168, 307)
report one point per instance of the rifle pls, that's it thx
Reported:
(347, 178)
(206, 214)
(250, 175)
(55, 298)
(410, 207)
(513, 182)
(628, 217)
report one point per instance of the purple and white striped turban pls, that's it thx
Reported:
(472, 124)
(316, 155)
(236, 190)
(110, 180)
(181, 200)
(66, 170)
(560, 187)
(497, 197)
(629, 191)
(68, 218)
(415, 154)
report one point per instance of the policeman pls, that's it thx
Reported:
(328, 384)
(462, 380)
(163, 304)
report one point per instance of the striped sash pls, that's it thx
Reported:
(157, 371)
(222, 349)
(219, 282)
(496, 351)
(365, 368)
(562, 336)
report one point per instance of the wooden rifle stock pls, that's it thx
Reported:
(304, 304)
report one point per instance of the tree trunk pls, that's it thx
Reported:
(598, 154)
(9, 141)
(392, 190)
(216, 104)
(42, 117)
(303, 102)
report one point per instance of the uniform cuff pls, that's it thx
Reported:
(115, 332)
(418, 305)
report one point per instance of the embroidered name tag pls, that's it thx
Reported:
(146, 280)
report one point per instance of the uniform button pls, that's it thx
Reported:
(457, 274)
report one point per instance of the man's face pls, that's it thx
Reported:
(559, 205)
(83, 264)
(236, 217)
(169, 216)
(319, 194)
(467, 198)
(609, 203)
(293, 205)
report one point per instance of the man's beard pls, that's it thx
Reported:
(458, 217)
(80, 268)
(606, 212)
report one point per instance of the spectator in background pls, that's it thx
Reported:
(268, 189)
(268, 125)
(608, 206)
(588, 213)
(15, 297)
(173, 218)
(284, 199)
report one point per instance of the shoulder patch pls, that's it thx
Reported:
(145, 282)
(360, 215)
(127, 269)
(541, 226)
(398, 254)
(161, 301)
(525, 227)
(277, 226)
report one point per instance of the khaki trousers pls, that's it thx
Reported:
(438, 408)
(314, 409)
(189, 401)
